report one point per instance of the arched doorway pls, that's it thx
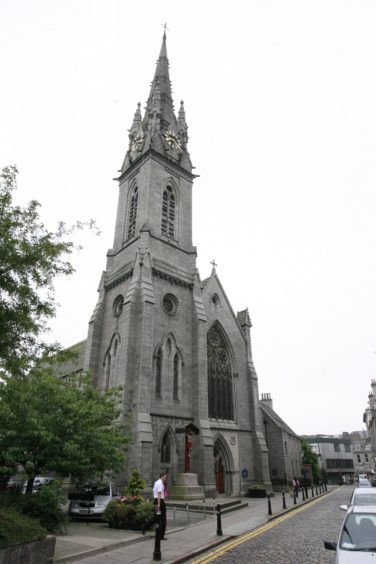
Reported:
(223, 466)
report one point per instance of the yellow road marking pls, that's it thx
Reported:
(254, 533)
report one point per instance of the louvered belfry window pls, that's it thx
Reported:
(133, 214)
(168, 213)
(220, 396)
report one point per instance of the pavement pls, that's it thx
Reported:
(188, 534)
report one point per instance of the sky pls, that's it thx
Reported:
(280, 104)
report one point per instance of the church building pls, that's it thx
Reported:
(170, 339)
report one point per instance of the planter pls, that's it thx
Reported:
(41, 552)
(256, 493)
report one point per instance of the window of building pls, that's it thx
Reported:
(158, 374)
(366, 457)
(168, 213)
(220, 395)
(359, 458)
(347, 448)
(337, 447)
(132, 213)
(166, 449)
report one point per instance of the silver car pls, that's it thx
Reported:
(357, 539)
(92, 501)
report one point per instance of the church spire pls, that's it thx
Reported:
(159, 130)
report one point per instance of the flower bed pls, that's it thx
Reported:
(257, 490)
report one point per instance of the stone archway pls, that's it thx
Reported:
(223, 466)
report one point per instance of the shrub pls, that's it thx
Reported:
(126, 515)
(16, 528)
(257, 487)
(44, 505)
(135, 484)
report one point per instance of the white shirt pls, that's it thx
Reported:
(158, 488)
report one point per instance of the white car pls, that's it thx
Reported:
(362, 496)
(39, 481)
(364, 483)
(357, 539)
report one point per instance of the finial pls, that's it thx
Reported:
(165, 29)
(214, 265)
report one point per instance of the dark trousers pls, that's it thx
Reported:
(163, 521)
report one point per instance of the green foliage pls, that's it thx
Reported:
(16, 528)
(257, 487)
(128, 515)
(310, 457)
(135, 484)
(44, 505)
(67, 427)
(30, 259)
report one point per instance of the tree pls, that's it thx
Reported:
(67, 427)
(310, 457)
(30, 259)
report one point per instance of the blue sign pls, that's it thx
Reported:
(244, 473)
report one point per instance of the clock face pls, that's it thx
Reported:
(136, 144)
(172, 140)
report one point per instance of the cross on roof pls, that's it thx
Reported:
(214, 264)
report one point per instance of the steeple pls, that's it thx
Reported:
(159, 129)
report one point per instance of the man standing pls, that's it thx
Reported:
(159, 501)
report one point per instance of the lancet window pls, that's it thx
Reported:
(166, 448)
(168, 370)
(132, 213)
(220, 392)
(168, 213)
(158, 374)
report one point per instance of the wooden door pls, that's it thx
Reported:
(220, 476)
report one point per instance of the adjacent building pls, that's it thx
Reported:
(284, 448)
(336, 458)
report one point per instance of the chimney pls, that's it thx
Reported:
(266, 399)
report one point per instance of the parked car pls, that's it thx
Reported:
(91, 501)
(364, 483)
(357, 539)
(361, 496)
(39, 481)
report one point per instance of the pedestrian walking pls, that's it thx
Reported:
(296, 486)
(159, 489)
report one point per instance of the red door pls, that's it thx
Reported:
(220, 477)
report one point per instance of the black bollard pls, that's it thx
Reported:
(294, 498)
(157, 542)
(303, 496)
(316, 490)
(326, 488)
(269, 505)
(313, 493)
(219, 523)
(283, 500)
(306, 491)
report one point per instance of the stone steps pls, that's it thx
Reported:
(210, 506)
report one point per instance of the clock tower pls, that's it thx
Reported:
(170, 340)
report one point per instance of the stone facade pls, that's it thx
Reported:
(369, 419)
(283, 444)
(170, 339)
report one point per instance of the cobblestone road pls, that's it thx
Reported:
(296, 540)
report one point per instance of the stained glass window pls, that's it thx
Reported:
(220, 394)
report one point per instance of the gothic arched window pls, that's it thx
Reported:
(132, 213)
(107, 371)
(158, 374)
(220, 394)
(166, 448)
(168, 213)
(175, 382)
